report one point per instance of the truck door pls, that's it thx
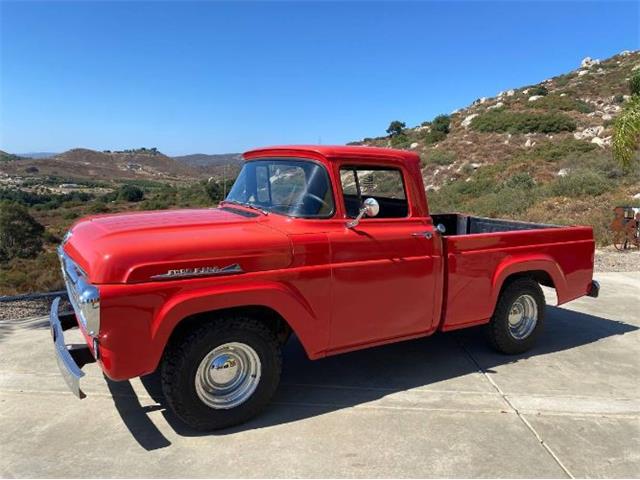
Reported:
(386, 270)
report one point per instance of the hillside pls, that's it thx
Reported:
(82, 163)
(206, 160)
(540, 152)
(9, 157)
(223, 164)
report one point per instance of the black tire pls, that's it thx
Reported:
(182, 358)
(498, 332)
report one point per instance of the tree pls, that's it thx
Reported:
(626, 129)
(20, 234)
(626, 133)
(130, 193)
(396, 127)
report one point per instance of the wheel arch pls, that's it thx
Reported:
(282, 308)
(543, 269)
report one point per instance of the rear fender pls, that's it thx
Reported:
(284, 300)
(529, 263)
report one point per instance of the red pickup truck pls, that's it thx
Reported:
(333, 244)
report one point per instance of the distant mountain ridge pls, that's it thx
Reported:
(143, 164)
(37, 154)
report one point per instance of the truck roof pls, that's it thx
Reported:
(334, 152)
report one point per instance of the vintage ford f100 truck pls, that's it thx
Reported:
(333, 244)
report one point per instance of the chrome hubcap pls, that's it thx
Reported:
(523, 317)
(228, 375)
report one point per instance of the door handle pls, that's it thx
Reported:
(426, 235)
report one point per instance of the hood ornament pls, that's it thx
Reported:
(200, 272)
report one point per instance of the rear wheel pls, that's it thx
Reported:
(518, 318)
(222, 373)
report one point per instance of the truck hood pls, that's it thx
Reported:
(164, 245)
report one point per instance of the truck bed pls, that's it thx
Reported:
(480, 253)
(458, 224)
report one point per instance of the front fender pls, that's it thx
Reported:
(280, 297)
(527, 263)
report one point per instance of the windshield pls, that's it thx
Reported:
(297, 188)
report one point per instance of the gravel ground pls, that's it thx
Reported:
(607, 260)
(29, 308)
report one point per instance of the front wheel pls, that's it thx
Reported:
(221, 374)
(518, 318)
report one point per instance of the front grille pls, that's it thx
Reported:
(83, 296)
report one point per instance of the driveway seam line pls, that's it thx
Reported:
(516, 411)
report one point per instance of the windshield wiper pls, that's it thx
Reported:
(248, 205)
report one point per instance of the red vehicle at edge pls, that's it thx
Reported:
(334, 244)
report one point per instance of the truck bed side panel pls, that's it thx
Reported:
(478, 264)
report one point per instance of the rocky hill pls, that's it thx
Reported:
(540, 152)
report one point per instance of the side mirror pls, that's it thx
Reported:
(441, 228)
(370, 208)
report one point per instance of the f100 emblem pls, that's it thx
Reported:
(200, 272)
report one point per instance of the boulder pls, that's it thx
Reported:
(582, 72)
(533, 98)
(511, 93)
(563, 172)
(467, 120)
(529, 143)
(589, 62)
(497, 105)
(598, 141)
(413, 145)
(589, 132)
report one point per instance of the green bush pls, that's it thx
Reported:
(440, 157)
(98, 207)
(634, 83)
(130, 193)
(521, 181)
(517, 122)
(554, 151)
(434, 136)
(538, 90)
(214, 190)
(579, 184)
(441, 123)
(399, 141)
(439, 129)
(566, 103)
(20, 234)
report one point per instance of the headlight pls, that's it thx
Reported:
(89, 304)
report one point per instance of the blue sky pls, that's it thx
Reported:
(218, 77)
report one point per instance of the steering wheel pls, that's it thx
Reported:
(317, 199)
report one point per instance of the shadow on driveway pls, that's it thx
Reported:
(342, 381)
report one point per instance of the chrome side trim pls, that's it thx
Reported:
(68, 367)
(200, 272)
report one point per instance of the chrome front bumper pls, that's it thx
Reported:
(70, 358)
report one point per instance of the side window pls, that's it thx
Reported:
(385, 185)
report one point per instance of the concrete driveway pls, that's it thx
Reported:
(445, 406)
